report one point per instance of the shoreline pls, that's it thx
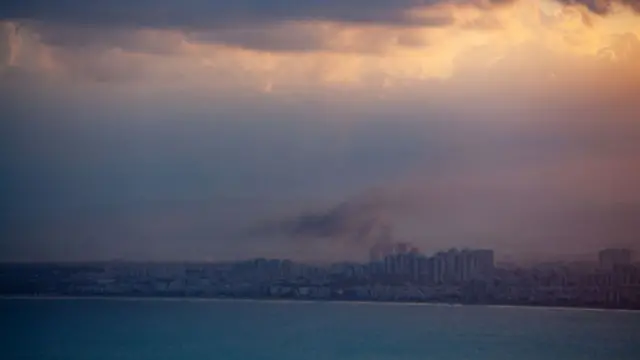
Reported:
(306, 301)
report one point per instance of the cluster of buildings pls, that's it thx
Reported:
(401, 260)
(609, 259)
(395, 272)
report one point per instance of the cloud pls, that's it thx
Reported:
(603, 7)
(279, 25)
(483, 22)
(310, 37)
(276, 25)
(281, 36)
(286, 37)
(150, 41)
(194, 14)
(322, 51)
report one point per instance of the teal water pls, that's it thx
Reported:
(70, 329)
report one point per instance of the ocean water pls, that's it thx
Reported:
(87, 329)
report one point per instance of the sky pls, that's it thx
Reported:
(215, 130)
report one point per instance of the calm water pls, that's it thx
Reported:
(157, 329)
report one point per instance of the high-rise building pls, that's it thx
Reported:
(439, 268)
(484, 263)
(389, 264)
(286, 269)
(468, 265)
(421, 268)
(609, 258)
(451, 265)
(404, 264)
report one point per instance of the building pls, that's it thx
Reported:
(389, 265)
(421, 271)
(468, 265)
(398, 264)
(439, 262)
(484, 263)
(610, 258)
(452, 265)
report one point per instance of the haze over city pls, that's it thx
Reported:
(298, 129)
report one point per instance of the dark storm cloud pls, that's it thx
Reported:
(603, 7)
(261, 38)
(212, 14)
(252, 24)
(91, 38)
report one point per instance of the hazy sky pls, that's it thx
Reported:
(204, 130)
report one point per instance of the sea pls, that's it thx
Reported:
(184, 329)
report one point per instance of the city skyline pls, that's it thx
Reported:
(468, 276)
(604, 259)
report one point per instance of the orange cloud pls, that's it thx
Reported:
(372, 57)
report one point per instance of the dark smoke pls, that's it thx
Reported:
(359, 221)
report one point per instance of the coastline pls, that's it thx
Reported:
(307, 301)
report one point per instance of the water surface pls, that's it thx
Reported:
(88, 329)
